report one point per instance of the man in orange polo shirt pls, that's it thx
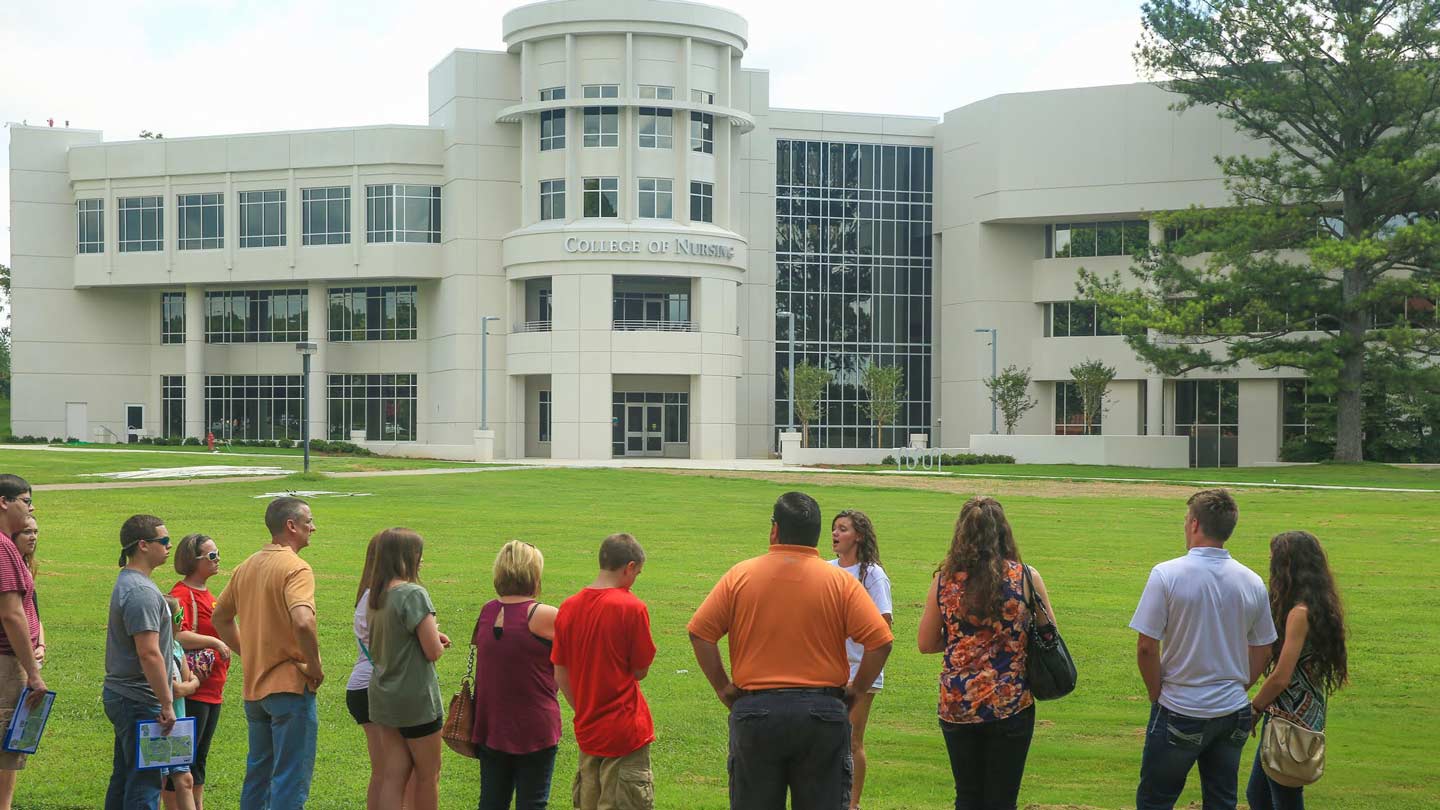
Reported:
(787, 614)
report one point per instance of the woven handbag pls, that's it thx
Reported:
(460, 719)
(1049, 667)
(1291, 754)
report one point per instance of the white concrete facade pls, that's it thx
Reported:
(621, 323)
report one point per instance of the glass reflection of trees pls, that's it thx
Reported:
(853, 261)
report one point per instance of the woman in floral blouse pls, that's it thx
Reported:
(975, 614)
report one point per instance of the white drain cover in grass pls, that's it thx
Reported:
(313, 493)
(215, 471)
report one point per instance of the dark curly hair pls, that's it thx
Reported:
(982, 545)
(1300, 575)
(867, 547)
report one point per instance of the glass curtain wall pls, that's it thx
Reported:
(1208, 411)
(853, 261)
(254, 406)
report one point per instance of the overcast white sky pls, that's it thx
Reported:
(205, 67)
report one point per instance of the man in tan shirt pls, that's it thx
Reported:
(787, 614)
(273, 595)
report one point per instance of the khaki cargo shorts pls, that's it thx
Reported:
(615, 783)
(12, 683)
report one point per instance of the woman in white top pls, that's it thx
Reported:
(852, 536)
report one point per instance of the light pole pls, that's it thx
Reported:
(994, 411)
(790, 417)
(485, 369)
(305, 349)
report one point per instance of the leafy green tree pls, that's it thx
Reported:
(1092, 382)
(1326, 261)
(1011, 392)
(882, 385)
(808, 387)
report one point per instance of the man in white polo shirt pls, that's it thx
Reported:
(1213, 616)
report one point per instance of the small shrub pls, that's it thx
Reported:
(191, 441)
(888, 461)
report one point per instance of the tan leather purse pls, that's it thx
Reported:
(1291, 754)
(460, 719)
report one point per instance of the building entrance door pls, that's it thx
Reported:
(644, 430)
(134, 422)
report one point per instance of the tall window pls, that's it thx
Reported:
(853, 262)
(256, 316)
(552, 122)
(172, 317)
(402, 213)
(382, 405)
(542, 424)
(325, 215)
(372, 313)
(1208, 411)
(202, 221)
(702, 201)
(1096, 238)
(677, 418)
(1070, 412)
(657, 128)
(655, 198)
(602, 197)
(254, 406)
(602, 126)
(142, 223)
(702, 132)
(552, 199)
(1076, 319)
(1297, 409)
(262, 218)
(172, 405)
(657, 91)
(90, 226)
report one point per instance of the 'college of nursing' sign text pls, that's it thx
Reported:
(678, 247)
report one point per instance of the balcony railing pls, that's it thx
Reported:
(653, 326)
(532, 326)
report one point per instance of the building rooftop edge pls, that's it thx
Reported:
(252, 134)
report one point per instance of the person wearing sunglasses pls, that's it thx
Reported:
(197, 559)
(21, 649)
(138, 664)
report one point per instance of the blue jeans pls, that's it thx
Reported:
(1175, 743)
(282, 729)
(1264, 793)
(789, 740)
(129, 789)
(523, 777)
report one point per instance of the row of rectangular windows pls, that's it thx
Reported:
(266, 406)
(388, 312)
(601, 129)
(601, 198)
(395, 212)
(659, 92)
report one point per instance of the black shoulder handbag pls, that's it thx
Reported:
(1050, 669)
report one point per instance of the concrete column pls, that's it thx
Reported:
(1259, 421)
(712, 416)
(317, 332)
(1154, 406)
(195, 362)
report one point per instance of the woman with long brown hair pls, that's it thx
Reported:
(976, 614)
(357, 689)
(1308, 660)
(404, 692)
(857, 550)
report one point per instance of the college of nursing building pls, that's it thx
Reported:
(615, 205)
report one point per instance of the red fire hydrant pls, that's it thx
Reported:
(210, 440)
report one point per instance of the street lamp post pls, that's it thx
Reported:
(790, 417)
(994, 410)
(305, 349)
(485, 369)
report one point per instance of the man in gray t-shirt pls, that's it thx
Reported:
(1213, 617)
(138, 663)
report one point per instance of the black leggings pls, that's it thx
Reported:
(207, 716)
(988, 760)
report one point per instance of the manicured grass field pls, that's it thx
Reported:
(1095, 553)
(1347, 475)
(43, 465)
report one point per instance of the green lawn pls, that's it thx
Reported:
(1350, 475)
(1087, 746)
(41, 465)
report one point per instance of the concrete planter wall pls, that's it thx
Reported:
(1129, 451)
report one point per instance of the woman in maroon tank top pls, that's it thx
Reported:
(517, 716)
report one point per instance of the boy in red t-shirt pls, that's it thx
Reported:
(602, 650)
